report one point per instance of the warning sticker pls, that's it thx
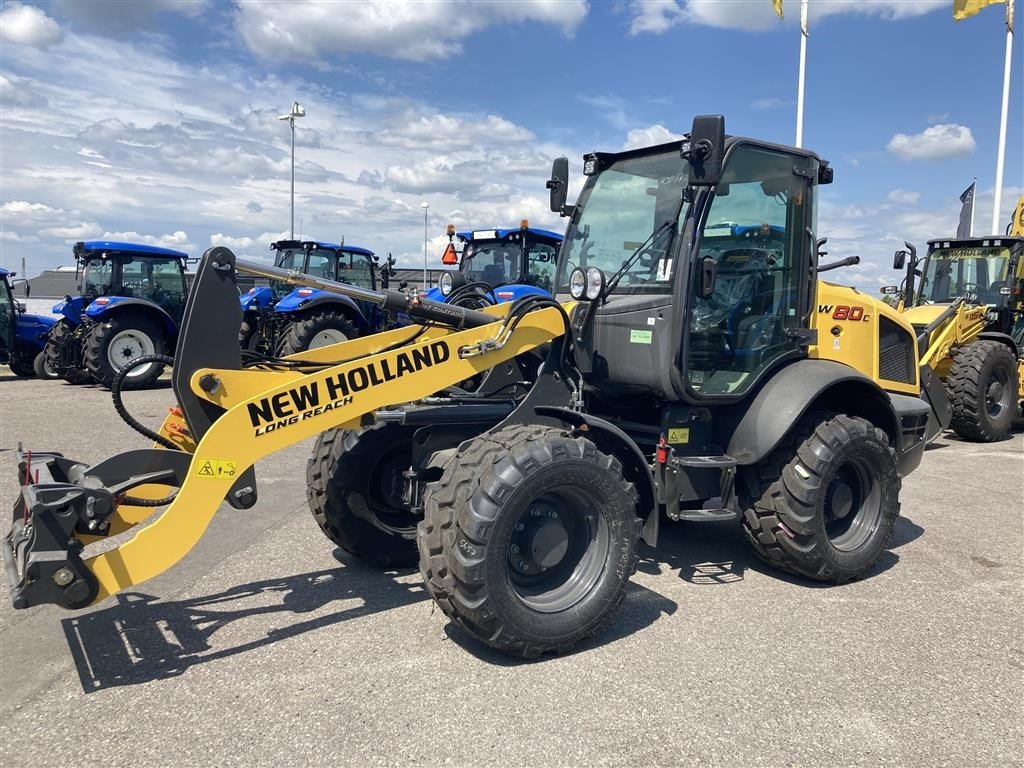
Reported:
(641, 337)
(679, 435)
(215, 468)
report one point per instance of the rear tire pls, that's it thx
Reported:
(982, 387)
(111, 344)
(316, 330)
(831, 512)
(43, 369)
(354, 484)
(529, 538)
(55, 342)
(20, 367)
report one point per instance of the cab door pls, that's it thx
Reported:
(754, 235)
(8, 319)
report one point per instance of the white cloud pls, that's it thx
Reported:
(28, 25)
(904, 197)
(646, 137)
(658, 16)
(402, 29)
(177, 240)
(772, 102)
(81, 231)
(231, 242)
(934, 143)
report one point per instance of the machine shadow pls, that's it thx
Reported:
(142, 638)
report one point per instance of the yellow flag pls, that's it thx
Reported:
(777, 4)
(964, 9)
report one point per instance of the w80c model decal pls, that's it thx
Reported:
(843, 312)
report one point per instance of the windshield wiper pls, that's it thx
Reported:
(613, 281)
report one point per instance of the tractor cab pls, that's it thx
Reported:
(8, 316)
(22, 336)
(508, 263)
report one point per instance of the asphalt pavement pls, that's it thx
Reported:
(267, 646)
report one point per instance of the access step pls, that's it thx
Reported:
(705, 462)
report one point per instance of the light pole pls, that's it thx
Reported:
(425, 206)
(297, 111)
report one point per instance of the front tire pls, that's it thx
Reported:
(354, 488)
(317, 330)
(113, 343)
(831, 512)
(43, 369)
(60, 336)
(982, 387)
(529, 538)
(20, 367)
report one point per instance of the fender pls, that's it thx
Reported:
(70, 308)
(517, 291)
(308, 298)
(610, 439)
(1004, 338)
(803, 386)
(102, 309)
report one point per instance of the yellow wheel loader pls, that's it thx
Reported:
(695, 368)
(964, 301)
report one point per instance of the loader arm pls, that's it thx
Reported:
(229, 418)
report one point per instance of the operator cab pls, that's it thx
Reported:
(329, 261)
(500, 258)
(984, 270)
(711, 269)
(132, 270)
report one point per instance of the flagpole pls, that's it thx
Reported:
(803, 70)
(1001, 156)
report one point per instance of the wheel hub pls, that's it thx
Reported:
(840, 500)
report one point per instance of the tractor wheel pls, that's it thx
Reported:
(44, 368)
(354, 487)
(317, 330)
(831, 510)
(55, 342)
(982, 387)
(111, 344)
(20, 367)
(529, 538)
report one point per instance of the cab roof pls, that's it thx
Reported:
(317, 244)
(92, 246)
(973, 242)
(483, 235)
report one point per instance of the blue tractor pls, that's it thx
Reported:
(130, 303)
(22, 336)
(279, 322)
(498, 265)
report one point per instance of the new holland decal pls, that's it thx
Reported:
(307, 401)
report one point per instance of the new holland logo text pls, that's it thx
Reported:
(306, 401)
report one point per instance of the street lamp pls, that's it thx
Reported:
(425, 205)
(297, 111)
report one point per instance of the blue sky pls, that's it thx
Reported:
(157, 121)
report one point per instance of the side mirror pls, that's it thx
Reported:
(559, 184)
(704, 150)
(19, 307)
(889, 290)
(899, 260)
(28, 289)
(708, 274)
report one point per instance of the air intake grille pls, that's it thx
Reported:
(895, 352)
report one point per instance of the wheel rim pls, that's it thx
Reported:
(997, 393)
(558, 550)
(50, 367)
(326, 337)
(128, 345)
(386, 485)
(852, 506)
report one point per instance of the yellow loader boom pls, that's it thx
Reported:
(230, 416)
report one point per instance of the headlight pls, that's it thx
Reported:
(577, 283)
(595, 283)
(445, 283)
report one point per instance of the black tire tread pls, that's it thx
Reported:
(298, 334)
(966, 390)
(456, 585)
(784, 502)
(52, 352)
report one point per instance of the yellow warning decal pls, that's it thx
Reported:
(215, 468)
(679, 435)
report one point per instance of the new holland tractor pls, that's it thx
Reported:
(498, 265)
(279, 319)
(685, 376)
(129, 305)
(964, 299)
(22, 336)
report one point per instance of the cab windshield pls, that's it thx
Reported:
(289, 258)
(494, 263)
(617, 212)
(977, 272)
(97, 277)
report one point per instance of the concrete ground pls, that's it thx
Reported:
(266, 646)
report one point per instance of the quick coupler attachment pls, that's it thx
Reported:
(60, 500)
